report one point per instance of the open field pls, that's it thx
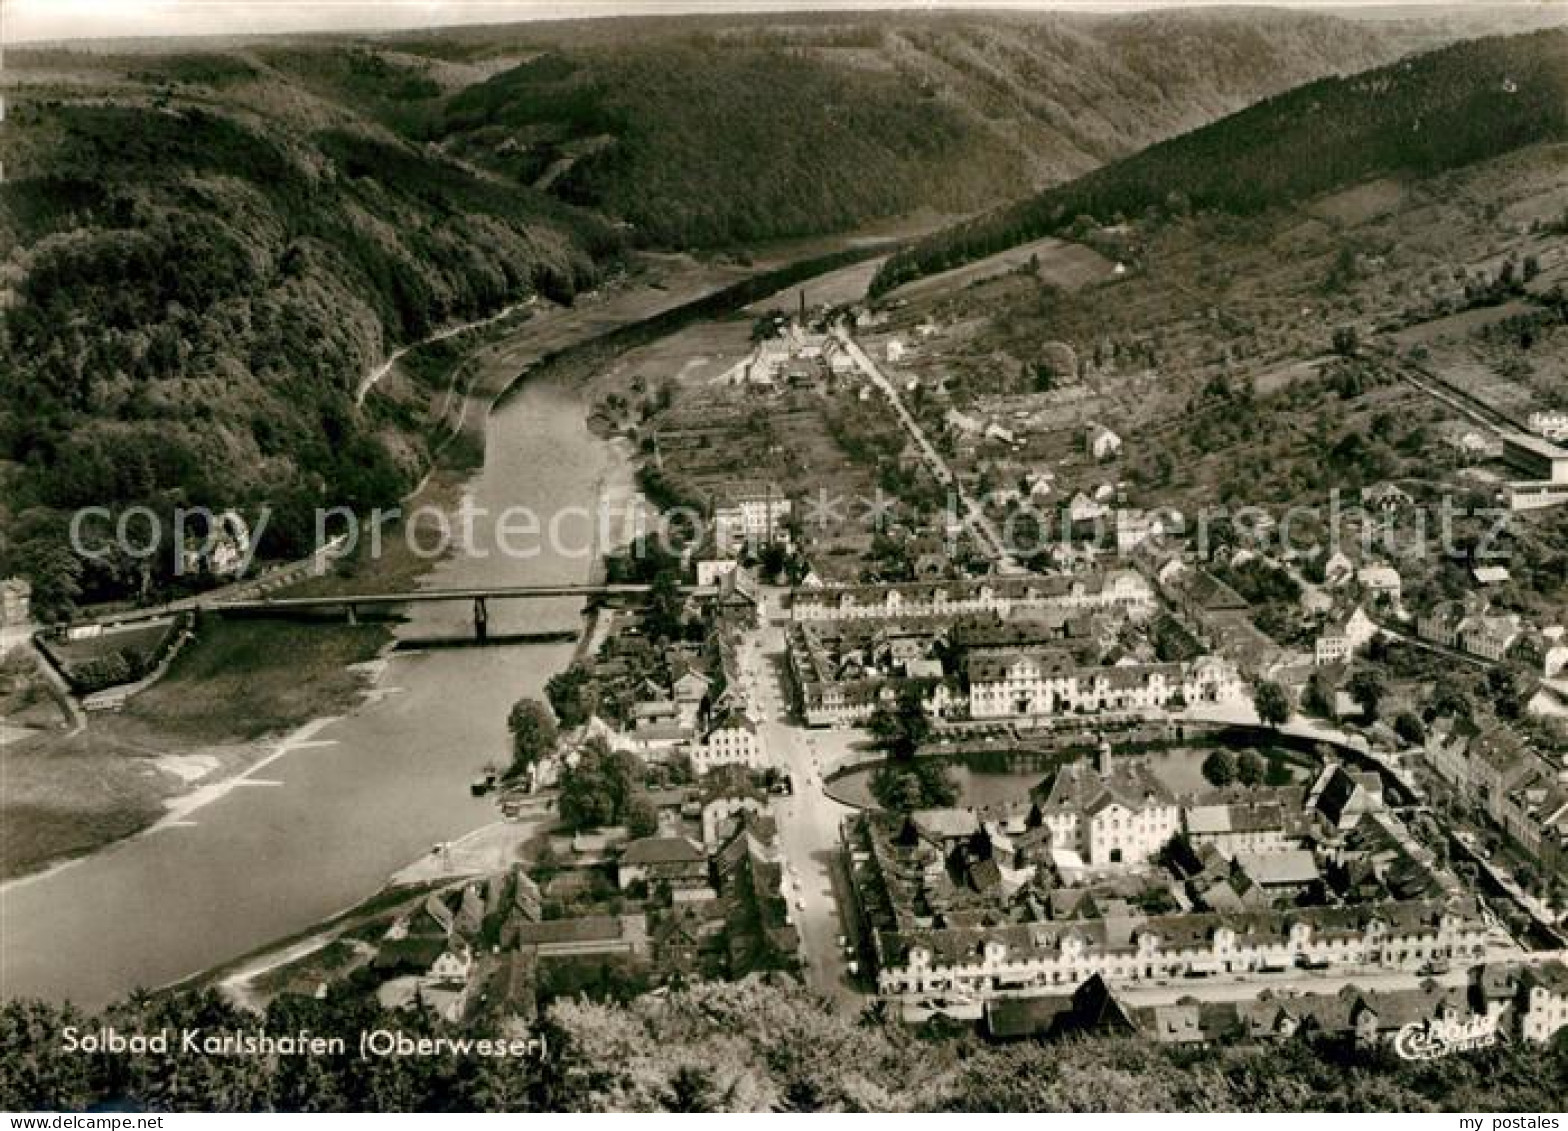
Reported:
(838, 288)
(240, 680)
(1360, 204)
(1061, 264)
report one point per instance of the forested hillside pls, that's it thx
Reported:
(749, 1046)
(1442, 110)
(756, 129)
(197, 271)
(202, 253)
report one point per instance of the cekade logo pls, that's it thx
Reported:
(1432, 1040)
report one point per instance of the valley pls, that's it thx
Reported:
(983, 561)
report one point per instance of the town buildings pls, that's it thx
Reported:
(1472, 627)
(1052, 684)
(1018, 959)
(1522, 789)
(749, 515)
(1538, 459)
(1123, 589)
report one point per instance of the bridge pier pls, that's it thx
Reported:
(353, 614)
(481, 620)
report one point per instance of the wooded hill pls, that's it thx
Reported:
(1442, 110)
(752, 129)
(202, 253)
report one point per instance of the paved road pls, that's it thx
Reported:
(808, 819)
(982, 527)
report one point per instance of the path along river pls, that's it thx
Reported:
(323, 824)
(316, 830)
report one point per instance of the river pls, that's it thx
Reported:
(321, 827)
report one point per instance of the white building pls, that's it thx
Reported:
(1552, 424)
(732, 740)
(1340, 640)
(1380, 580)
(1028, 685)
(750, 515)
(1544, 1000)
(710, 570)
(1490, 635)
(1109, 816)
(1101, 442)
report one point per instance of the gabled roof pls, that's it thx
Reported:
(663, 850)
(945, 824)
(734, 719)
(585, 929)
(1295, 866)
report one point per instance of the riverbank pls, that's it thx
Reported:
(386, 777)
(241, 689)
(233, 694)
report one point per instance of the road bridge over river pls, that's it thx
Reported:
(351, 604)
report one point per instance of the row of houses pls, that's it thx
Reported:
(1522, 789)
(1524, 1003)
(1034, 684)
(1473, 627)
(841, 672)
(1119, 589)
(1016, 959)
(842, 687)
(686, 700)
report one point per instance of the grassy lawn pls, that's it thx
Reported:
(240, 680)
